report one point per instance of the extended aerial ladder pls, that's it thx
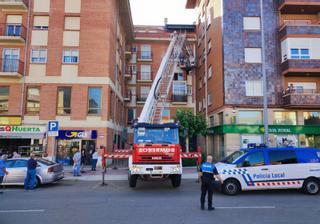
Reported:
(179, 53)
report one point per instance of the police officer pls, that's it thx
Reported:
(207, 175)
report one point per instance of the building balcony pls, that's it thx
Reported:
(11, 68)
(299, 6)
(12, 33)
(141, 99)
(302, 99)
(301, 66)
(14, 4)
(179, 98)
(144, 55)
(127, 96)
(298, 29)
(144, 76)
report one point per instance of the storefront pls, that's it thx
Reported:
(70, 141)
(22, 139)
(239, 136)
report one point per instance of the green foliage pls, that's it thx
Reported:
(191, 124)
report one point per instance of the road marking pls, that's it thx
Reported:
(22, 211)
(248, 207)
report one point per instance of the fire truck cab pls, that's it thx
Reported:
(155, 153)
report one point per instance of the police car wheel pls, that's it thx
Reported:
(133, 180)
(231, 187)
(311, 186)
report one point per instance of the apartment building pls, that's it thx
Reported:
(145, 54)
(229, 72)
(63, 60)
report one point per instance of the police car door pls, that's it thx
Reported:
(253, 167)
(283, 169)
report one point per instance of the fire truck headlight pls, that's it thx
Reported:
(176, 169)
(136, 169)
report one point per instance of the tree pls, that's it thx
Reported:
(190, 125)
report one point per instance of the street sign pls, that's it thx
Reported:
(53, 128)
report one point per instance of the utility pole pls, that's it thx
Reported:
(264, 79)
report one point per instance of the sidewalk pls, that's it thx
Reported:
(118, 174)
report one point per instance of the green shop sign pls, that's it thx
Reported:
(259, 129)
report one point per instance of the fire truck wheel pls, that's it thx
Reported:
(175, 180)
(133, 180)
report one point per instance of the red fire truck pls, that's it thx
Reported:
(156, 153)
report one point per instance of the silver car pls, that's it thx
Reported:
(47, 171)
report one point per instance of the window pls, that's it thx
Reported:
(41, 22)
(70, 56)
(41, 5)
(11, 60)
(38, 55)
(209, 98)
(204, 103)
(210, 71)
(179, 88)
(64, 101)
(250, 117)
(251, 23)
(13, 29)
(145, 73)
(4, 99)
(178, 77)
(284, 117)
(302, 87)
(303, 53)
(33, 100)
(311, 118)
(189, 90)
(145, 52)
(209, 46)
(94, 98)
(72, 23)
(253, 159)
(144, 92)
(211, 121)
(252, 55)
(72, 6)
(254, 88)
(131, 115)
(165, 114)
(200, 105)
(220, 118)
(278, 157)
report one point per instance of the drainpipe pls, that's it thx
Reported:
(206, 74)
(25, 61)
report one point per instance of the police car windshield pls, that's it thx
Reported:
(233, 157)
(156, 135)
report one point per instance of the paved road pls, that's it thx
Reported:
(77, 202)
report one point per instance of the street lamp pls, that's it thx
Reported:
(264, 79)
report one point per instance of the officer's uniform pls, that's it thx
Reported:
(208, 171)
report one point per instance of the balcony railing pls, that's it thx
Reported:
(145, 55)
(300, 66)
(302, 98)
(144, 76)
(14, 4)
(297, 29)
(11, 66)
(299, 6)
(179, 98)
(14, 30)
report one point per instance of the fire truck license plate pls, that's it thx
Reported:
(158, 168)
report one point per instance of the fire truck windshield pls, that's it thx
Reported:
(156, 135)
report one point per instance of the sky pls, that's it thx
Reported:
(153, 12)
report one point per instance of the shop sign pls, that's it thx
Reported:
(77, 134)
(21, 129)
(6, 120)
(259, 129)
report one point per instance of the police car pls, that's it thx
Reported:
(271, 168)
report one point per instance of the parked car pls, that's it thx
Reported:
(47, 171)
(271, 168)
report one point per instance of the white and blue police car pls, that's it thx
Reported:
(271, 168)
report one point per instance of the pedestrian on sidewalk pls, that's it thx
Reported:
(207, 175)
(3, 170)
(16, 155)
(95, 157)
(76, 163)
(30, 180)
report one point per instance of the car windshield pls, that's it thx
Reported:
(45, 162)
(156, 135)
(233, 157)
